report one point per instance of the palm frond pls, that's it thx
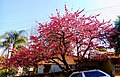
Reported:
(1, 43)
(9, 36)
(13, 39)
(5, 50)
(21, 40)
(22, 33)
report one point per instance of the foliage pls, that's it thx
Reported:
(13, 39)
(23, 58)
(8, 72)
(116, 37)
(72, 34)
(3, 74)
(8, 41)
(117, 24)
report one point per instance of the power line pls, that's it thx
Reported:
(24, 21)
(19, 21)
(103, 8)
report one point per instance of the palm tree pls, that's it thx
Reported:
(13, 40)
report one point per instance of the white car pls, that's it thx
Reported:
(90, 73)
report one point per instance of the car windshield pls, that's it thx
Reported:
(94, 74)
(77, 75)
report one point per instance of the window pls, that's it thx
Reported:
(77, 75)
(94, 74)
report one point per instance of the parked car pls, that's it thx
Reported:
(90, 73)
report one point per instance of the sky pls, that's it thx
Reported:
(22, 14)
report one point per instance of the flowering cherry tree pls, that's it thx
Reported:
(73, 34)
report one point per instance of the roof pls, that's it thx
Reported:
(69, 59)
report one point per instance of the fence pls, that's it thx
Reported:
(57, 74)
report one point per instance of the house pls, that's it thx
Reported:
(52, 67)
(104, 65)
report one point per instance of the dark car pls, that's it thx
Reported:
(90, 73)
